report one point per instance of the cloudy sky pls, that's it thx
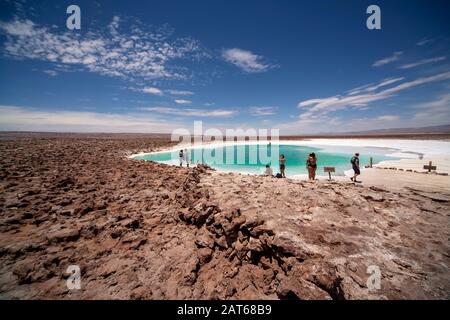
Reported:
(154, 66)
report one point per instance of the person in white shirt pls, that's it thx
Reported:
(186, 157)
(268, 171)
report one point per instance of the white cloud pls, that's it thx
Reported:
(388, 118)
(318, 108)
(180, 92)
(151, 90)
(192, 112)
(424, 42)
(262, 111)
(422, 62)
(13, 118)
(417, 82)
(181, 101)
(442, 103)
(373, 87)
(437, 110)
(246, 60)
(342, 125)
(434, 112)
(19, 28)
(363, 99)
(136, 53)
(52, 73)
(161, 92)
(394, 57)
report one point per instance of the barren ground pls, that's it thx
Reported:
(141, 230)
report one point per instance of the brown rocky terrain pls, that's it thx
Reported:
(142, 230)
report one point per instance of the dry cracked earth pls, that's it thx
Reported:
(142, 230)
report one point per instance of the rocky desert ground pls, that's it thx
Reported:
(142, 230)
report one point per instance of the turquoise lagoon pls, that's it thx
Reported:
(225, 158)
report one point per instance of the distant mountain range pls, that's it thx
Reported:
(443, 129)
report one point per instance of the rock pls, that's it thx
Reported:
(124, 198)
(140, 293)
(231, 228)
(253, 222)
(221, 242)
(204, 255)
(65, 184)
(100, 205)
(254, 245)
(65, 201)
(67, 212)
(373, 196)
(23, 271)
(260, 230)
(164, 194)
(12, 202)
(64, 235)
(197, 215)
(290, 248)
(135, 240)
(130, 223)
(19, 249)
(117, 232)
(204, 240)
(86, 207)
(299, 289)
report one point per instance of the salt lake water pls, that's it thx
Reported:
(252, 158)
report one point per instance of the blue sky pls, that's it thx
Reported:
(153, 66)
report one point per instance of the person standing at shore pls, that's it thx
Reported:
(180, 155)
(311, 166)
(186, 157)
(355, 164)
(282, 165)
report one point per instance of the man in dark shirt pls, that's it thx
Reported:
(355, 165)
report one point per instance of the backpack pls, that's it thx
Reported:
(279, 175)
(353, 161)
